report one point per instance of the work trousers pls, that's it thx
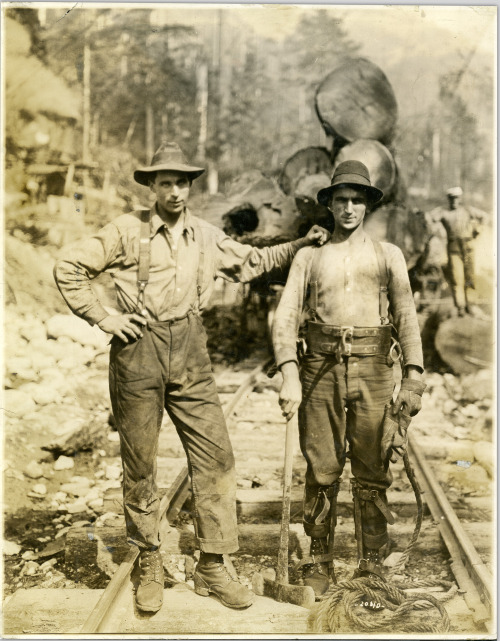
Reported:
(461, 271)
(341, 415)
(169, 368)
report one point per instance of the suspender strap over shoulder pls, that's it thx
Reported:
(313, 283)
(144, 256)
(383, 300)
(201, 262)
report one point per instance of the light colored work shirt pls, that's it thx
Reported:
(348, 286)
(172, 288)
(461, 223)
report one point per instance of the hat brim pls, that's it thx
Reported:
(374, 194)
(143, 174)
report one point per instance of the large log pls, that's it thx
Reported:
(378, 160)
(466, 344)
(356, 100)
(305, 162)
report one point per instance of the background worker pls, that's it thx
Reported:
(462, 225)
(163, 263)
(349, 289)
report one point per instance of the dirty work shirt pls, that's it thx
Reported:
(171, 291)
(169, 367)
(343, 399)
(348, 294)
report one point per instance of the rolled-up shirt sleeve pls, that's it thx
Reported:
(242, 263)
(288, 314)
(403, 308)
(78, 264)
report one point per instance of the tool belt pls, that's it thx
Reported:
(349, 340)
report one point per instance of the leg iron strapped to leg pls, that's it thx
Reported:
(319, 566)
(371, 515)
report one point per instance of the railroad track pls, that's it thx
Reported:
(257, 430)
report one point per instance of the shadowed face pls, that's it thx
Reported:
(453, 201)
(172, 192)
(348, 206)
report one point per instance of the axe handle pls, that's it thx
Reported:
(282, 569)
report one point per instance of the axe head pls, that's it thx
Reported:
(302, 595)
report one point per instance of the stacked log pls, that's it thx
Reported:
(356, 100)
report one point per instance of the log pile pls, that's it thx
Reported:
(357, 109)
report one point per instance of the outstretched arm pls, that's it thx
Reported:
(242, 263)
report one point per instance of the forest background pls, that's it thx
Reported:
(102, 85)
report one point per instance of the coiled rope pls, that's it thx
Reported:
(343, 600)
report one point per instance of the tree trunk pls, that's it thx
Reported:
(357, 101)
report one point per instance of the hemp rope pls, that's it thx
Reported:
(346, 595)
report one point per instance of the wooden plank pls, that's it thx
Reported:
(186, 613)
(47, 611)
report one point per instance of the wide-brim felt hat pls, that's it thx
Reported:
(350, 173)
(168, 157)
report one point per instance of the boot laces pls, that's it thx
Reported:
(151, 567)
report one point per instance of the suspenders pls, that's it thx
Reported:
(383, 279)
(145, 257)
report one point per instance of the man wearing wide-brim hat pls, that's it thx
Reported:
(353, 290)
(462, 225)
(163, 262)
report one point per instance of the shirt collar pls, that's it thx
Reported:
(157, 223)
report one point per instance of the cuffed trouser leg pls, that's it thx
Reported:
(193, 404)
(169, 366)
(137, 390)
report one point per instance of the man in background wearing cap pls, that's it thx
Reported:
(349, 289)
(462, 226)
(163, 263)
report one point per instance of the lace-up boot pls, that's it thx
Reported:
(212, 577)
(149, 595)
(315, 574)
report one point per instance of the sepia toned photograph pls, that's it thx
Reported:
(249, 320)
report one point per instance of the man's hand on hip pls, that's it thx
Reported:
(125, 326)
(291, 390)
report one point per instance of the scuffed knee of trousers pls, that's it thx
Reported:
(226, 462)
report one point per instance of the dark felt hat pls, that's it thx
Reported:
(168, 157)
(350, 173)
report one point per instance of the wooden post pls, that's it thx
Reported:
(86, 101)
(150, 133)
(202, 100)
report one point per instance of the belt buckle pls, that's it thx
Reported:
(347, 334)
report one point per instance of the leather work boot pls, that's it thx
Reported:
(315, 574)
(214, 578)
(149, 595)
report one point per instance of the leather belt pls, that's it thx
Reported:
(348, 340)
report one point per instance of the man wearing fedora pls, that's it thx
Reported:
(355, 292)
(163, 262)
(462, 226)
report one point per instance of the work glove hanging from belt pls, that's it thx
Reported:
(397, 418)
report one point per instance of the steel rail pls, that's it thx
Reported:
(473, 577)
(170, 505)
